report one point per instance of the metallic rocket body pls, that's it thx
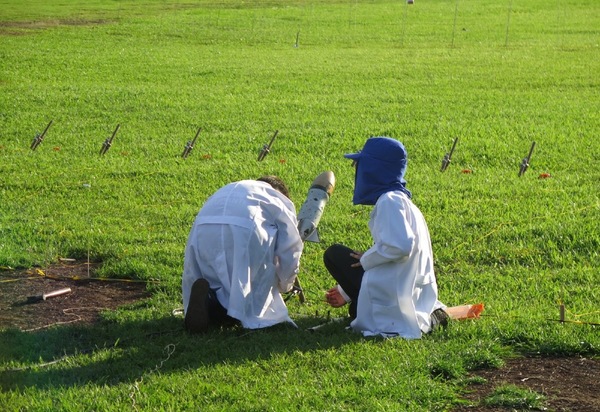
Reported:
(310, 215)
(312, 208)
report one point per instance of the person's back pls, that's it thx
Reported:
(246, 245)
(399, 263)
(247, 200)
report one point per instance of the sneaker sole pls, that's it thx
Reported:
(196, 317)
(440, 318)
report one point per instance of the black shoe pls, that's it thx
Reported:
(196, 317)
(439, 318)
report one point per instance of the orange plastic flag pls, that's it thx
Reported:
(465, 311)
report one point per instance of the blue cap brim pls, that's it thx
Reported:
(353, 156)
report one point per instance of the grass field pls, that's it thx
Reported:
(498, 75)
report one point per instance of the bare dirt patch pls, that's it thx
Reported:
(22, 28)
(89, 296)
(568, 384)
(43, 24)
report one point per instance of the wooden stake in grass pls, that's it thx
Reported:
(267, 148)
(508, 23)
(448, 156)
(454, 25)
(404, 23)
(39, 137)
(561, 310)
(108, 142)
(525, 161)
(297, 40)
(189, 146)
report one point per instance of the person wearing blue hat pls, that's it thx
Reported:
(391, 288)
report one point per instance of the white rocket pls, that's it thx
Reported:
(312, 208)
(310, 215)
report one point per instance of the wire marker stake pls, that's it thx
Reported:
(108, 142)
(454, 25)
(267, 148)
(189, 146)
(39, 137)
(525, 161)
(508, 23)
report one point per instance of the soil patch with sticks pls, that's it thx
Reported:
(568, 384)
(88, 296)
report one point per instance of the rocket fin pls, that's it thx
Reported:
(314, 237)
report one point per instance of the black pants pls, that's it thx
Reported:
(217, 314)
(338, 262)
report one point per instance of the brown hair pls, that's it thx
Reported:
(276, 183)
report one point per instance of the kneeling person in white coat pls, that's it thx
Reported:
(242, 253)
(391, 288)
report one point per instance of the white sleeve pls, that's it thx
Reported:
(344, 294)
(288, 248)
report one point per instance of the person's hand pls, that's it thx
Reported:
(356, 255)
(334, 298)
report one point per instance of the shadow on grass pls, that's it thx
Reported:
(109, 353)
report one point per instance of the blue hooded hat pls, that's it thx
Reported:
(380, 168)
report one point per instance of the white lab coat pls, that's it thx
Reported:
(399, 290)
(246, 244)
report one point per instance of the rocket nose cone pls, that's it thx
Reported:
(325, 180)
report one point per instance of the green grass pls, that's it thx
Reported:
(498, 75)
(511, 396)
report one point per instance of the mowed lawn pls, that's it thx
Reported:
(497, 75)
